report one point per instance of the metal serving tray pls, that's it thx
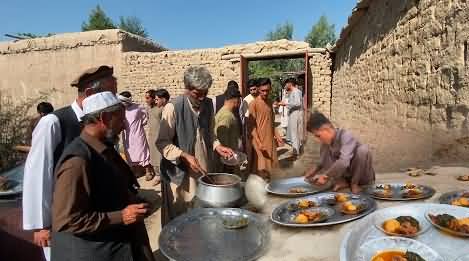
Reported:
(283, 216)
(446, 198)
(449, 247)
(397, 192)
(281, 187)
(200, 235)
(15, 177)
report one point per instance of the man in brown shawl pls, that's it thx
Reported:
(342, 157)
(263, 134)
(96, 214)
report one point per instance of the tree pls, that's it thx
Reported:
(133, 25)
(283, 31)
(321, 34)
(98, 20)
(276, 69)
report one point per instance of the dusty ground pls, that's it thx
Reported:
(308, 244)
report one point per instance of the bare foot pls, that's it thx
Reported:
(340, 184)
(356, 189)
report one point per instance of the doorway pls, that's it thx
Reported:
(278, 69)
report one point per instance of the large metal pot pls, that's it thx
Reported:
(221, 190)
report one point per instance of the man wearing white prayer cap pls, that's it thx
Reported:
(95, 212)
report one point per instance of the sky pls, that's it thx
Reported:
(178, 24)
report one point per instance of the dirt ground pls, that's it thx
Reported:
(292, 169)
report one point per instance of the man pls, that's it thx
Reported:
(186, 141)
(343, 159)
(253, 92)
(53, 132)
(95, 213)
(156, 100)
(219, 100)
(264, 136)
(43, 108)
(134, 138)
(244, 111)
(294, 105)
(227, 126)
(284, 116)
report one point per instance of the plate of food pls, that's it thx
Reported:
(403, 222)
(312, 215)
(235, 221)
(337, 207)
(369, 228)
(456, 198)
(450, 220)
(295, 187)
(396, 249)
(353, 207)
(400, 191)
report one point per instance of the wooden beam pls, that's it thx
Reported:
(274, 55)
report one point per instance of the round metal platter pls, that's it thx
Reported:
(15, 178)
(455, 212)
(370, 249)
(281, 187)
(398, 192)
(448, 197)
(200, 235)
(447, 246)
(283, 215)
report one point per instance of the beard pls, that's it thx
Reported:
(111, 138)
(195, 102)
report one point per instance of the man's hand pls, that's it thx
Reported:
(310, 173)
(133, 213)
(320, 179)
(192, 162)
(279, 141)
(42, 237)
(224, 152)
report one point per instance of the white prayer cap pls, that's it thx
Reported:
(103, 101)
(124, 99)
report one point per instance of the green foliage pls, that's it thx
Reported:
(283, 31)
(277, 69)
(321, 34)
(98, 20)
(31, 35)
(14, 125)
(133, 25)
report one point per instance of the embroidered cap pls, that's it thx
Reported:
(103, 101)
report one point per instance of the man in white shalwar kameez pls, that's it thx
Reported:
(284, 116)
(51, 135)
(295, 115)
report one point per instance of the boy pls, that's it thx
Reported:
(342, 157)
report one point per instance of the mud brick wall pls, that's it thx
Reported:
(142, 71)
(49, 64)
(401, 80)
(321, 65)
